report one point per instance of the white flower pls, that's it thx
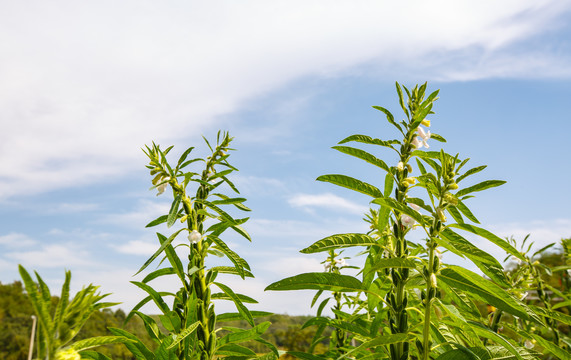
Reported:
(416, 143)
(414, 206)
(400, 166)
(438, 254)
(406, 220)
(433, 280)
(424, 136)
(194, 236)
(327, 266)
(529, 344)
(163, 186)
(341, 262)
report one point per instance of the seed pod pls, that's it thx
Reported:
(436, 264)
(419, 346)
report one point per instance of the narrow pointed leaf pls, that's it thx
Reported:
(160, 250)
(161, 219)
(243, 310)
(318, 281)
(157, 298)
(183, 334)
(491, 237)
(98, 341)
(485, 290)
(401, 208)
(479, 187)
(363, 155)
(352, 184)
(393, 263)
(244, 335)
(339, 241)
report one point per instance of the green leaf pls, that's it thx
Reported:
(38, 304)
(63, 301)
(352, 184)
(318, 281)
(401, 99)
(464, 209)
(390, 117)
(394, 262)
(489, 334)
(243, 310)
(548, 346)
(157, 273)
(243, 298)
(555, 315)
(231, 270)
(157, 298)
(470, 172)
(401, 208)
(244, 335)
(458, 354)
(179, 337)
(365, 139)
(437, 137)
(484, 261)
(173, 213)
(240, 263)
(231, 350)
(135, 346)
(164, 245)
(98, 341)
(485, 290)
(304, 356)
(161, 219)
(339, 241)
(491, 237)
(238, 316)
(93, 355)
(171, 321)
(381, 341)
(480, 186)
(363, 155)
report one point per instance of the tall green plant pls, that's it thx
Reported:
(412, 296)
(59, 322)
(191, 321)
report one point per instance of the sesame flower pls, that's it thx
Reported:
(194, 236)
(340, 262)
(414, 206)
(400, 166)
(424, 136)
(425, 122)
(406, 220)
(163, 186)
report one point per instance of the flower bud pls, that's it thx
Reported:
(406, 220)
(453, 186)
(451, 199)
(441, 215)
(425, 122)
(409, 167)
(433, 281)
(194, 237)
(69, 354)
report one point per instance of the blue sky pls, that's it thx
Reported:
(85, 86)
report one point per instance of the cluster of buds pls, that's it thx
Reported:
(335, 263)
(161, 183)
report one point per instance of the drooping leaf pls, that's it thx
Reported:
(339, 241)
(485, 290)
(484, 261)
(489, 334)
(243, 310)
(98, 341)
(491, 237)
(157, 298)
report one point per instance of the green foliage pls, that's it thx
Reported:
(408, 304)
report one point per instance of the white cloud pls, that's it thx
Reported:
(138, 247)
(16, 240)
(328, 201)
(85, 85)
(52, 255)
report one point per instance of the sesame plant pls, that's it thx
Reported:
(187, 327)
(59, 320)
(407, 303)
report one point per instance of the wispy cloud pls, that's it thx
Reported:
(52, 255)
(16, 240)
(80, 98)
(327, 201)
